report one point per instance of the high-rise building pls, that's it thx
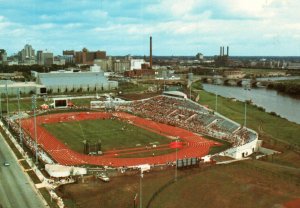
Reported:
(39, 58)
(44, 58)
(88, 57)
(26, 55)
(69, 56)
(3, 56)
(48, 58)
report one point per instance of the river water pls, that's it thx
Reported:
(285, 106)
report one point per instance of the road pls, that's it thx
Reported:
(15, 188)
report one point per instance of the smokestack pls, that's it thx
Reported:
(220, 50)
(150, 52)
(227, 50)
(223, 51)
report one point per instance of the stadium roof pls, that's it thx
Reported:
(175, 93)
(72, 79)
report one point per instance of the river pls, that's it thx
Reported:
(285, 106)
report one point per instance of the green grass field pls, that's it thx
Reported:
(245, 184)
(265, 124)
(114, 134)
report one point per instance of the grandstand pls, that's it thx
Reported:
(190, 115)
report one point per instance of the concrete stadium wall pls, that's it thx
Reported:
(242, 151)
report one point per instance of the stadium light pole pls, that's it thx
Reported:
(1, 103)
(141, 191)
(245, 116)
(35, 131)
(216, 108)
(191, 91)
(7, 109)
(20, 124)
(176, 162)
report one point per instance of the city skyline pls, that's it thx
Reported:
(257, 27)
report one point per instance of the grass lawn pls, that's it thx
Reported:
(25, 104)
(114, 134)
(246, 184)
(265, 124)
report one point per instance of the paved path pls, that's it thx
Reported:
(16, 191)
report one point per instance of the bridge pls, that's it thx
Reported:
(220, 80)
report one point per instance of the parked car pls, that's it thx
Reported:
(103, 177)
(6, 163)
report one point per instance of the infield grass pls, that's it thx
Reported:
(114, 134)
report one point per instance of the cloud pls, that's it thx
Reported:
(178, 27)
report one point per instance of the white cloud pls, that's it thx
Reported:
(176, 8)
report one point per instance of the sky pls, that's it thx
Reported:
(178, 27)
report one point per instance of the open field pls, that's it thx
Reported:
(114, 134)
(267, 125)
(251, 184)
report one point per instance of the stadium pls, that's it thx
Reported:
(166, 122)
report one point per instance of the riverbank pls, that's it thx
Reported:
(267, 125)
(270, 100)
(290, 87)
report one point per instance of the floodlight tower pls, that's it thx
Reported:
(1, 104)
(141, 192)
(20, 124)
(7, 109)
(35, 131)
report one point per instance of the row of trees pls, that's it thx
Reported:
(290, 88)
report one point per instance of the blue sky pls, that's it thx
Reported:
(178, 27)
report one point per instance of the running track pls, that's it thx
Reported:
(196, 146)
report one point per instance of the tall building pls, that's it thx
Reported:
(121, 66)
(48, 58)
(26, 55)
(39, 58)
(3, 56)
(45, 58)
(69, 56)
(88, 57)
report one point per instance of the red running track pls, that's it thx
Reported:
(196, 146)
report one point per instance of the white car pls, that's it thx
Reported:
(6, 163)
(103, 177)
